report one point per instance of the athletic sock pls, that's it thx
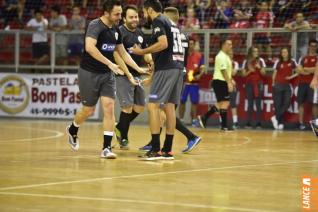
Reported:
(108, 139)
(223, 114)
(123, 124)
(73, 128)
(133, 115)
(184, 130)
(167, 146)
(155, 142)
(212, 110)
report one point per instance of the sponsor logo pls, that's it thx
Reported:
(107, 47)
(309, 197)
(14, 94)
(157, 29)
(116, 35)
(140, 39)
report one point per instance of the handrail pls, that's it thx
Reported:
(206, 32)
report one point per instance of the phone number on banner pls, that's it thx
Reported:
(53, 111)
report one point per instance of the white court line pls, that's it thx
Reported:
(121, 200)
(149, 175)
(57, 134)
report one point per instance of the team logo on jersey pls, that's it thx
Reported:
(140, 39)
(116, 35)
(108, 47)
(157, 29)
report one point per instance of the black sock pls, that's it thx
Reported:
(223, 114)
(133, 115)
(212, 110)
(155, 142)
(123, 124)
(159, 136)
(167, 146)
(184, 130)
(107, 139)
(73, 129)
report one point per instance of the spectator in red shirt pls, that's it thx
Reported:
(191, 21)
(264, 19)
(194, 71)
(283, 73)
(306, 69)
(253, 69)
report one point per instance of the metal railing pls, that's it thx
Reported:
(205, 33)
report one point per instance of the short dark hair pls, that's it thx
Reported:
(173, 10)
(129, 7)
(38, 11)
(56, 8)
(312, 41)
(154, 4)
(223, 41)
(108, 5)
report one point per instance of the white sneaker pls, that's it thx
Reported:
(275, 122)
(108, 154)
(281, 127)
(73, 140)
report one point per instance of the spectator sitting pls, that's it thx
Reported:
(58, 23)
(223, 15)
(40, 47)
(264, 19)
(190, 22)
(282, 11)
(12, 9)
(242, 14)
(202, 10)
(75, 41)
(302, 37)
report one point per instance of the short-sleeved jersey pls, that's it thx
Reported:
(222, 62)
(170, 57)
(194, 61)
(130, 38)
(107, 39)
(255, 76)
(307, 62)
(284, 69)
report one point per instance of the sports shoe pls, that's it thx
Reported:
(108, 154)
(281, 127)
(227, 129)
(202, 122)
(236, 125)
(302, 126)
(123, 144)
(167, 156)
(274, 122)
(72, 139)
(146, 148)
(314, 127)
(195, 123)
(248, 125)
(192, 144)
(152, 155)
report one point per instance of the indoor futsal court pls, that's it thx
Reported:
(245, 170)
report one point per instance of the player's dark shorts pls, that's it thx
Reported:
(305, 93)
(129, 94)
(193, 91)
(94, 85)
(221, 90)
(166, 86)
(40, 49)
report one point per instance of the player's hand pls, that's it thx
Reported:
(147, 81)
(233, 82)
(143, 71)
(115, 68)
(151, 67)
(132, 80)
(314, 83)
(136, 50)
(230, 86)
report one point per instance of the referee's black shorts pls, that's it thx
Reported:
(221, 90)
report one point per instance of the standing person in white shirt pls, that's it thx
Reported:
(40, 47)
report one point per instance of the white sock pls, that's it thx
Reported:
(235, 119)
(76, 125)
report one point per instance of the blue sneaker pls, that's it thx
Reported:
(146, 148)
(192, 144)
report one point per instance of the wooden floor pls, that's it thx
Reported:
(247, 170)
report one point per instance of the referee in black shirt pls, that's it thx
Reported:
(97, 71)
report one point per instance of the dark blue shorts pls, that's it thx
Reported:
(193, 91)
